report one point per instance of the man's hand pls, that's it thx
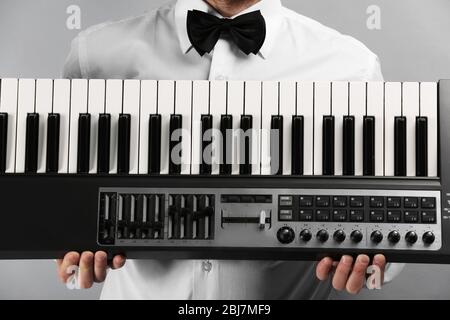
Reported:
(92, 267)
(349, 274)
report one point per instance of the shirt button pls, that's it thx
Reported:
(221, 77)
(206, 266)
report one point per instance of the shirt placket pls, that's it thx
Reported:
(221, 64)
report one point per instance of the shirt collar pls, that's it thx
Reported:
(270, 9)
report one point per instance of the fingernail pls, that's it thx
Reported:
(346, 259)
(363, 259)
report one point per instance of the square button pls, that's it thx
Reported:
(428, 203)
(285, 214)
(322, 201)
(356, 202)
(339, 201)
(285, 201)
(394, 216)
(376, 215)
(305, 201)
(376, 202)
(394, 202)
(356, 215)
(411, 216)
(410, 202)
(306, 215)
(339, 215)
(428, 216)
(322, 215)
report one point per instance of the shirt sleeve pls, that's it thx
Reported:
(373, 72)
(72, 66)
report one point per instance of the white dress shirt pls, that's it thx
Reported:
(155, 45)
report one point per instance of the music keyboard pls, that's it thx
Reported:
(237, 169)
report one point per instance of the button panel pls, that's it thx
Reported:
(380, 209)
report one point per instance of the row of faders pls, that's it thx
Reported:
(191, 216)
(131, 216)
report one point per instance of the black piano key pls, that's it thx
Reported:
(276, 145)
(205, 166)
(84, 138)
(32, 141)
(297, 145)
(176, 122)
(123, 146)
(52, 162)
(421, 146)
(104, 143)
(226, 123)
(369, 146)
(348, 146)
(400, 146)
(245, 166)
(154, 144)
(3, 140)
(328, 145)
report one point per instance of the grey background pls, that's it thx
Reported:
(412, 45)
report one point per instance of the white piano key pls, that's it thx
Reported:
(25, 105)
(131, 106)
(148, 106)
(322, 107)
(392, 109)
(236, 109)
(410, 109)
(165, 109)
(96, 105)
(44, 102)
(339, 108)
(183, 107)
(114, 99)
(78, 104)
(200, 106)
(375, 108)
(61, 106)
(270, 108)
(429, 109)
(8, 104)
(217, 107)
(287, 110)
(253, 108)
(305, 108)
(358, 110)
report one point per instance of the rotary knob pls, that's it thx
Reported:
(411, 237)
(376, 236)
(305, 235)
(394, 237)
(339, 236)
(322, 235)
(428, 237)
(356, 236)
(285, 235)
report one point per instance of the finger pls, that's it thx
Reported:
(380, 261)
(342, 272)
(100, 266)
(86, 271)
(118, 262)
(358, 275)
(323, 268)
(70, 259)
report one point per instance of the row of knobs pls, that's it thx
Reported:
(287, 235)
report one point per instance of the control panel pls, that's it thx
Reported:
(300, 218)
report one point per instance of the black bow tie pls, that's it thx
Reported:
(247, 31)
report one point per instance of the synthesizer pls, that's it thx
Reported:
(225, 169)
